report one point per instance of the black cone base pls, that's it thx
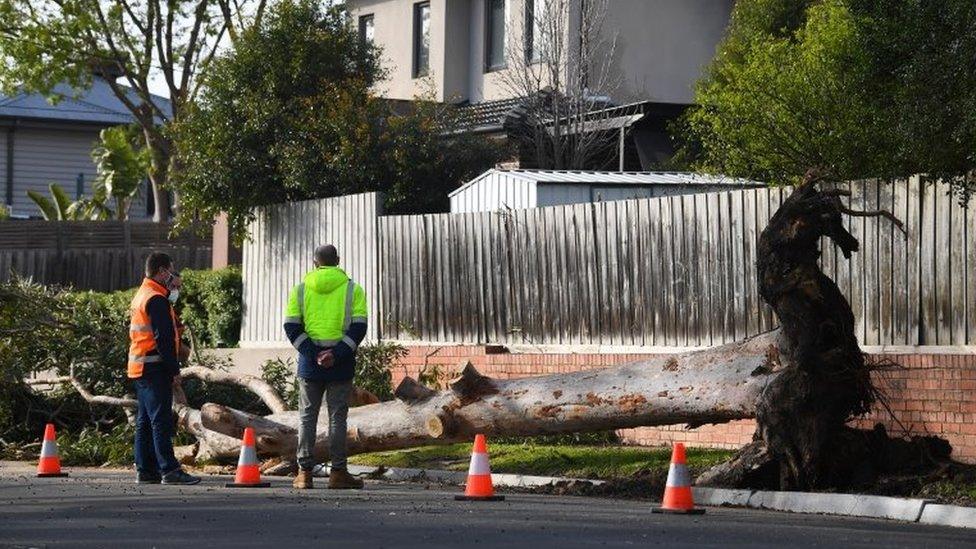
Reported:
(479, 498)
(51, 475)
(258, 485)
(662, 510)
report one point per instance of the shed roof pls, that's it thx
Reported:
(94, 105)
(612, 178)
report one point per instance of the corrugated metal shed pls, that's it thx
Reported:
(514, 189)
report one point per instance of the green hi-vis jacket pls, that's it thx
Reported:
(326, 311)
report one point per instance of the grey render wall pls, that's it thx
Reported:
(662, 46)
(48, 153)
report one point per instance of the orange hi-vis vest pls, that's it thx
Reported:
(142, 346)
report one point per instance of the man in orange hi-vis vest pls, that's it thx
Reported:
(154, 367)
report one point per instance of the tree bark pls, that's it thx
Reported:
(710, 386)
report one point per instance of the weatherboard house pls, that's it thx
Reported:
(44, 142)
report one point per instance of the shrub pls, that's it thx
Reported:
(210, 305)
(92, 446)
(280, 374)
(373, 363)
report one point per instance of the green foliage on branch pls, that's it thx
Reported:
(853, 88)
(50, 329)
(288, 114)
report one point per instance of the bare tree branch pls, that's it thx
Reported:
(875, 213)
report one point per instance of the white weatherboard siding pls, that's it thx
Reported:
(45, 155)
(3, 165)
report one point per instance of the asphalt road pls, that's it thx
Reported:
(96, 508)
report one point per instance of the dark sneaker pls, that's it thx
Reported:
(340, 479)
(148, 478)
(181, 478)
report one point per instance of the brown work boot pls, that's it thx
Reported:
(303, 480)
(340, 479)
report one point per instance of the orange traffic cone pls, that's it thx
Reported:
(479, 486)
(248, 475)
(677, 491)
(50, 464)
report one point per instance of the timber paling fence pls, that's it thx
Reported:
(676, 271)
(92, 255)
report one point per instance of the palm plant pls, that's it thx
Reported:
(59, 207)
(121, 167)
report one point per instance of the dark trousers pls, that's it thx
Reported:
(154, 424)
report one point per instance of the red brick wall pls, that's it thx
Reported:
(928, 393)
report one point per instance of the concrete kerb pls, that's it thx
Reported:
(401, 474)
(856, 505)
(948, 515)
(852, 505)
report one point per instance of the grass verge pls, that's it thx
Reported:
(600, 462)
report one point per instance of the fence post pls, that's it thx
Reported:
(59, 270)
(129, 259)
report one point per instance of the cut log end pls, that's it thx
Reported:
(435, 427)
(409, 390)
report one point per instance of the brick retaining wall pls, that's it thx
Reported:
(928, 393)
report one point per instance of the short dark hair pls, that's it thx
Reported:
(326, 256)
(157, 261)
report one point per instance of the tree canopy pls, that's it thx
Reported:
(854, 88)
(288, 114)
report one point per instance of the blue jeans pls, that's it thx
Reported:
(154, 424)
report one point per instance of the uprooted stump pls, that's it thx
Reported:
(802, 440)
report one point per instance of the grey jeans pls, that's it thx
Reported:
(309, 405)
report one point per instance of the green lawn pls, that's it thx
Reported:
(604, 462)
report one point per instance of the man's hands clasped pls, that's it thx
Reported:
(325, 358)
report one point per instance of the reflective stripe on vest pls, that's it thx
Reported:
(350, 292)
(142, 346)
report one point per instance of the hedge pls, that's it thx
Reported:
(210, 305)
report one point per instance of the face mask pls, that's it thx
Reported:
(174, 295)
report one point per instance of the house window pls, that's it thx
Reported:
(421, 39)
(366, 28)
(534, 21)
(495, 34)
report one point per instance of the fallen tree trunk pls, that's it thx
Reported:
(710, 386)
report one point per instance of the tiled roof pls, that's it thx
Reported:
(487, 113)
(95, 105)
